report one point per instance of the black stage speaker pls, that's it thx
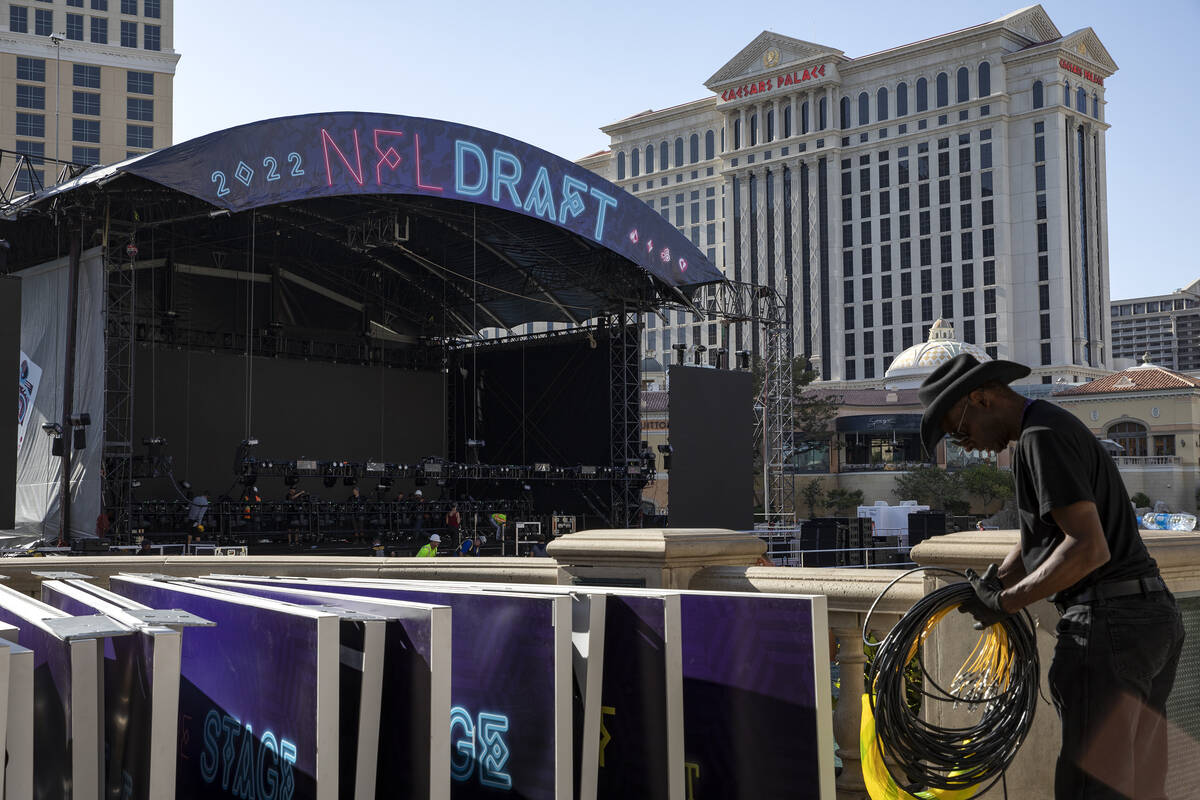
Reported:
(712, 463)
(924, 524)
(10, 364)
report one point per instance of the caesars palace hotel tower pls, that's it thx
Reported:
(961, 177)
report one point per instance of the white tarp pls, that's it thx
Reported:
(44, 307)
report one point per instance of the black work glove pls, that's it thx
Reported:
(985, 606)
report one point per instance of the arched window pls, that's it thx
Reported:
(844, 111)
(963, 86)
(770, 132)
(864, 108)
(649, 158)
(694, 148)
(902, 100)
(737, 133)
(985, 79)
(804, 118)
(1131, 436)
(823, 114)
(881, 104)
(1081, 100)
(1095, 106)
(621, 165)
(943, 89)
(787, 121)
(664, 161)
(1066, 94)
(922, 95)
(678, 151)
(708, 143)
(753, 129)
(635, 161)
(1039, 94)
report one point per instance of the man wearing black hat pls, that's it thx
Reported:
(1121, 633)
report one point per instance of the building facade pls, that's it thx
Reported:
(960, 177)
(84, 81)
(1164, 327)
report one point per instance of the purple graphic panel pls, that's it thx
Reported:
(403, 765)
(633, 733)
(52, 735)
(502, 720)
(323, 155)
(128, 678)
(247, 697)
(750, 721)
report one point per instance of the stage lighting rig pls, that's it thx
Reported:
(666, 451)
(52, 428)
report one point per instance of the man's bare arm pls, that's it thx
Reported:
(1012, 569)
(1082, 550)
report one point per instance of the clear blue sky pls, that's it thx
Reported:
(551, 73)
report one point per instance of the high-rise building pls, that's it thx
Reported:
(1165, 326)
(84, 81)
(960, 177)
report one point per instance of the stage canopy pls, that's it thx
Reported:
(432, 228)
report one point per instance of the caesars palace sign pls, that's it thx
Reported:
(774, 82)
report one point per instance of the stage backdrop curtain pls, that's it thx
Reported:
(44, 308)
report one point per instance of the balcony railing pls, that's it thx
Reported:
(1147, 461)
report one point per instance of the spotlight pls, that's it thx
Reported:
(722, 358)
(80, 420)
(52, 428)
(679, 351)
(185, 485)
(699, 351)
(743, 357)
(251, 442)
(541, 467)
(154, 441)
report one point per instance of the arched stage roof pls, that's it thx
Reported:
(408, 214)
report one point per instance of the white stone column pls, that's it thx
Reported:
(795, 110)
(745, 134)
(777, 133)
(811, 98)
(1102, 242)
(796, 246)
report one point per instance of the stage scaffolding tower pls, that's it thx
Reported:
(625, 435)
(119, 287)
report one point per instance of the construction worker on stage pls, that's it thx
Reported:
(430, 550)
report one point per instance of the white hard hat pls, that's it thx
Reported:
(435, 538)
(417, 493)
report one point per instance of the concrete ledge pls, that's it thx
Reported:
(848, 590)
(101, 568)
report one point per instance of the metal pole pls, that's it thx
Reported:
(57, 93)
(75, 231)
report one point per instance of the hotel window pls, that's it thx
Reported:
(129, 7)
(85, 155)
(753, 134)
(649, 158)
(1039, 94)
(86, 130)
(868, 316)
(1095, 106)
(885, 203)
(944, 219)
(869, 345)
(906, 338)
(636, 155)
(901, 99)
(139, 136)
(964, 86)
(943, 90)
(968, 276)
(922, 95)
(679, 151)
(948, 306)
(85, 103)
(709, 144)
(31, 96)
(1081, 100)
(99, 30)
(152, 37)
(31, 69)
(944, 168)
(985, 79)
(969, 331)
(989, 273)
(152, 8)
(43, 22)
(989, 330)
(904, 199)
(888, 341)
(18, 19)
(926, 309)
(99, 5)
(844, 112)
(1045, 323)
(850, 374)
(86, 76)
(33, 125)
(926, 281)
(128, 34)
(75, 27)
(968, 304)
(868, 294)
(139, 109)
(694, 148)
(881, 104)
(905, 283)
(621, 166)
(989, 302)
(848, 318)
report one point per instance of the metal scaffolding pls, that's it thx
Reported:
(626, 418)
(119, 326)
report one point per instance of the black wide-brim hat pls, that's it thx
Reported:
(955, 379)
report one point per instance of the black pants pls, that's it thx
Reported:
(1114, 665)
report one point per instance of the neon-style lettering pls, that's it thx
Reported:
(287, 781)
(209, 761)
(462, 765)
(605, 736)
(605, 202)
(356, 170)
(268, 788)
(495, 751)
(389, 156)
(233, 729)
(541, 196)
(571, 201)
(510, 180)
(461, 149)
(417, 139)
(243, 777)
(693, 775)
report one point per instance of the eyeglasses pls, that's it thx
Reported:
(958, 436)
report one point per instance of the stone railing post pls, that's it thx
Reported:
(651, 558)
(848, 715)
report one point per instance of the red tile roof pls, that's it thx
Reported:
(1135, 379)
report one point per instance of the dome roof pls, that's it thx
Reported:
(910, 367)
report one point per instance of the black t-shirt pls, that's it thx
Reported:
(1058, 462)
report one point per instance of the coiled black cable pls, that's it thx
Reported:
(1000, 678)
